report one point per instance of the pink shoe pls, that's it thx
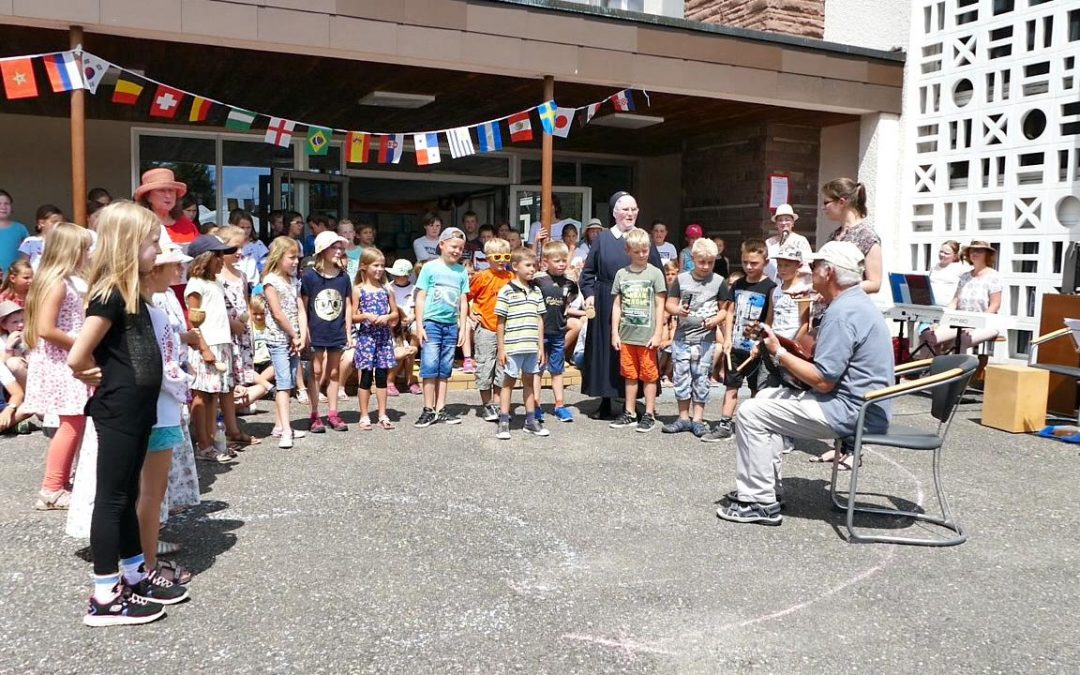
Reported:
(414, 388)
(391, 390)
(469, 366)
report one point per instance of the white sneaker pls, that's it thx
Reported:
(341, 395)
(302, 397)
(285, 442)
(322, 397)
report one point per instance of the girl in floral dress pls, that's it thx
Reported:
(235, 284)
(374, 314)
(55, 315)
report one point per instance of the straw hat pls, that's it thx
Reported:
(979, 243)
(159, 179)
(785, 210)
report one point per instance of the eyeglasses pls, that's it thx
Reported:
(499, 257)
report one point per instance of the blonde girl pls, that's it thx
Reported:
(233, 281)
(17, 282)
(117, 351)
(55, 314)
(325, 290)
(286, 330)
(374, 313)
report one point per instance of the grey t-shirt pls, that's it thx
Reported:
(854, 349)
(637, 293)
(702, 298)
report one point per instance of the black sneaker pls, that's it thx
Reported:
(157, 588)
(720, 432)
(426, 419)
(738, 512)
(448, 417)
(646, 424)
(624, 420)
(126, 609)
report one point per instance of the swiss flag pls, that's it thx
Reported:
(564, 117)
(166, 102)
(520, 128)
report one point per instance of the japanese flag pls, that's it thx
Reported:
(564, 117)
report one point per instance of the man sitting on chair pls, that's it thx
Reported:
(853, 357)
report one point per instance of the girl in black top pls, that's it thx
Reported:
(117, 351)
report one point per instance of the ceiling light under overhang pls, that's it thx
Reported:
(622, 120)
(396, 99)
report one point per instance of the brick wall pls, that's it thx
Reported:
(726, 175)
(794, 17)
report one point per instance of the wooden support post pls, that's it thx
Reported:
(78, 142)
(546, 169)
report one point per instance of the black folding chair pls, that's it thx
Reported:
(946, 379)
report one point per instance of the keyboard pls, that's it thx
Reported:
(953, 318)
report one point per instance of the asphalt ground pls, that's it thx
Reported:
(593, 550)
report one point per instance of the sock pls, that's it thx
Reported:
(503, 417)
(105, 587)
(133, 569)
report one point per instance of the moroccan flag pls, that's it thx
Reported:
(390, 148)
(239, 120)
(520, 128)
(166, 102)
(546, 111)
(358, 148)
(65, 73)
(19, 79)
(200, 108)
(126, 92)
(318, 141)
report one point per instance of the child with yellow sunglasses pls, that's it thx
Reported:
(484, 287)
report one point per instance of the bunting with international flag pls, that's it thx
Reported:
(94, 70)
(64, 72)
(391, 147)
(520, 128)
(166, 102)
(623, 101)
(546, 110)
(358, 147)
(279, 132)
(426, 146)
(590, 112)
(318, 141)
(127, 91)
(489, 134)
(239, 120)
(200, 109)
(19, 79)
(460, 141)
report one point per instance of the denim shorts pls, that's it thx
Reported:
(164, 438)
(692, 372)
(555, 350)
(516, 364)
(285, 365)
(437, 352)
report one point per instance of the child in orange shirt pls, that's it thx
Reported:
(484, 289)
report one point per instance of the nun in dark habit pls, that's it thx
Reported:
(607, 255)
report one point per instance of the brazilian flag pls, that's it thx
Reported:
(318, 141)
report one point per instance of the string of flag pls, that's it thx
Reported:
(78, 69)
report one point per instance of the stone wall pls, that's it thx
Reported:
(794, 17)
(726, 178)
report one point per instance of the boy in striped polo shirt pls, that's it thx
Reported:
(520, 311)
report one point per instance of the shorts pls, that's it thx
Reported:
(519, 364)
(692, 371)
(639, 363)
(285, 365)
(486, 353)
(336, 348)
(749, 376)
(262, 366)
(164, 438)
(555, 351)
(437, 352)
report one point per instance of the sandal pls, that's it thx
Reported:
(822, 459)
(173, 571)
(385, 423)
(212, 455)
(845, 463)
(365, 423)
(244, 440)
(167, 547)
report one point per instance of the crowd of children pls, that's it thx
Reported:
(146, 352)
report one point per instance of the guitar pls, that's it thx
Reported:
(772, 364)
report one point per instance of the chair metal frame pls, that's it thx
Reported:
(958, 375)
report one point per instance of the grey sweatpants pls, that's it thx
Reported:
(760, 427)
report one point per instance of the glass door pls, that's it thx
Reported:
(576, 203)
(310, 192)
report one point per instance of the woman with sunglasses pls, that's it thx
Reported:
(979, 290)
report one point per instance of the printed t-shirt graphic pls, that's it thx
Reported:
(751, 306)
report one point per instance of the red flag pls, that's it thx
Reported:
(19, 79)
(520, 127)
(200, 109)
(166, 102)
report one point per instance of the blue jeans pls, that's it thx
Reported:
(285, 365)
(437, 352)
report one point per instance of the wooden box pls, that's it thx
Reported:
(1014, 398)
